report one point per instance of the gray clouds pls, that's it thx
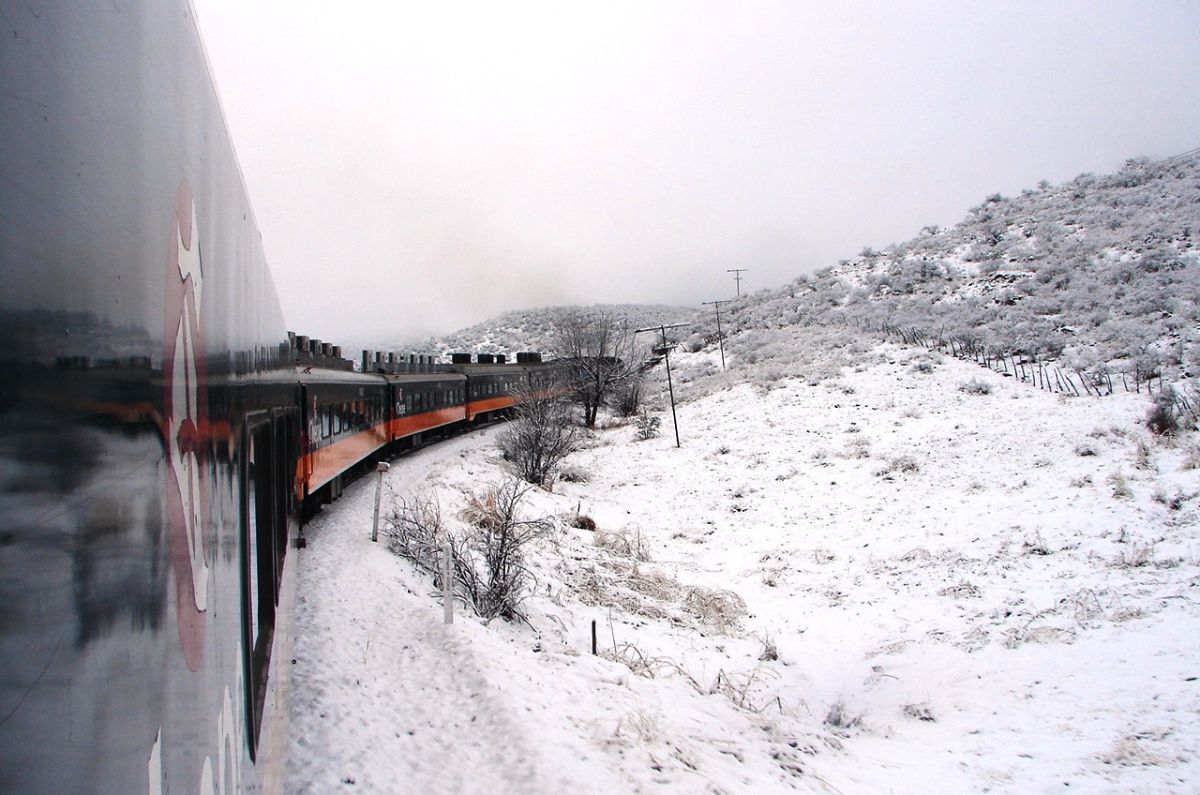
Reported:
(418, 167)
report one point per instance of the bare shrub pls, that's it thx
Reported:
(838, 718)
(1191, 457)
(581, 521)
(573, 474)
(858, 448)
(647, 425)
(1084, 449)
(1135, 556)
(919, 712)
(626, 398)
(769, 652)
(901, 464)
(626, 542)
(540, 436)
(975, 387)
(1036, 545)
(1141, 453)
(739, 689)
(1163, 419)
(716, 607)
(501, 539)
(414, 530)
(1120, 486)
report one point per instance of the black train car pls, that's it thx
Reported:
(148, 418)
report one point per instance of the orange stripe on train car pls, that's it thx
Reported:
(475, 407)
(323, 464)
(400, 427)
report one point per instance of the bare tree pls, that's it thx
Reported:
(599, 348)
(541, 434)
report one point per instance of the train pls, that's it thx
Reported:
(163, 438)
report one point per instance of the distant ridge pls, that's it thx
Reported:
(533, 329)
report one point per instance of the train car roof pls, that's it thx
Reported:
(422, 378)
(494, 369)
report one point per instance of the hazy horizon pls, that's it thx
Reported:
(417, 169)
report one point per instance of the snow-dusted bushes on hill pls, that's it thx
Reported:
(1104, 271)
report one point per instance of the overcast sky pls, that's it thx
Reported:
(416, 168)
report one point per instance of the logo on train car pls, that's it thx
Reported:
(185, 413)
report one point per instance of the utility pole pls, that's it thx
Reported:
(661, 328)
(720, 336)
(737, 277)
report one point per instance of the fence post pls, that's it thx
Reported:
(381, 467)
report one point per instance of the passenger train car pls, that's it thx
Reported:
(162, 438)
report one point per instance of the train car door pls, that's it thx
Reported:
(268, 461)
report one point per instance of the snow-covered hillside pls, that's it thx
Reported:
(1101, 273)
(858, 577)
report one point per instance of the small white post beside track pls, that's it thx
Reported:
(381, 467)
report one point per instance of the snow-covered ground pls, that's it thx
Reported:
(943, 591)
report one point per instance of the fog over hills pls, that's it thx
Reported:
(1100, 274)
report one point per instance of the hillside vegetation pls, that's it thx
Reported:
(1101, 273)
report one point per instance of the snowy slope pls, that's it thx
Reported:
(1101, 273)
(965, 592)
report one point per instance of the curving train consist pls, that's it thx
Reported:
(160, 443)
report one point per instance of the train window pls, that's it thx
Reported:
(326, 422)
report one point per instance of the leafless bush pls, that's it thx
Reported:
(1120, 486)
(573, 474)
(1084, 449)
(581, 521)
(627, 396)
(648, 666)
(1036, 545)
(976, 387)
(1163, 419)
(1135, 556)
(919, 712)
(501, 539)
(901, 464)
(414, 530)
(1191, 457)
(838, 718)
(487, 560)
(1141, 453)
(541, 435)
(716, 607)
(858, 448)
(647, 425)
(739, 689)
(626, 542)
